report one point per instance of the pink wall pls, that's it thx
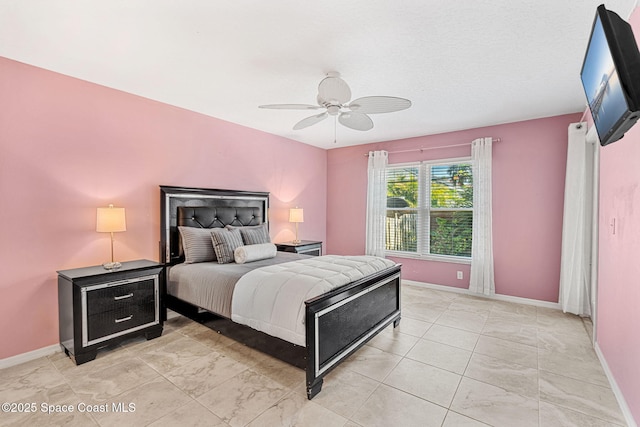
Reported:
(68, 146)
(618, 313)
(528, 192)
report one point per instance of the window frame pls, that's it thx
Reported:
(424, 210)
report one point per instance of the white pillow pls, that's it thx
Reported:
(250, 253)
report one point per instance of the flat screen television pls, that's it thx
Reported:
(611, 76)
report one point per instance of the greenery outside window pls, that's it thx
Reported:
(430, 209)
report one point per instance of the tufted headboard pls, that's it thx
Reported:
(205, 208)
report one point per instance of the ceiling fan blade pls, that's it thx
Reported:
(334, 90)
(379, 104)
(291, 106)
(310, 121)
(356, 121)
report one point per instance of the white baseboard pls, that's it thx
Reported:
(508, 298)
(616, 390)
(46, 351)
(31, 355)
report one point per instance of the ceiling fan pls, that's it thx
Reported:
(333, 97)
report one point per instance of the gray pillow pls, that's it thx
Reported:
(225, 241)
(196, 244)
(253, 234)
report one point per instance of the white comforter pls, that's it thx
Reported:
(271, 299)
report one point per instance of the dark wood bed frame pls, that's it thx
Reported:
(337, 323)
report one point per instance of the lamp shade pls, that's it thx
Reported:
(296, 215)
(111, 220)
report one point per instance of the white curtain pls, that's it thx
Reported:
(481, 280)
(576, 230)
(376, 203)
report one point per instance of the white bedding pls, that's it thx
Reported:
(271, 299)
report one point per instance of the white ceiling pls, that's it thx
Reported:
(464, 63)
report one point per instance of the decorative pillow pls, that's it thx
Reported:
(250, 253)
(196, 244)
(225, 241)
(253, 234)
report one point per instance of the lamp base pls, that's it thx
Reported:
(296, 241)
(111, 265)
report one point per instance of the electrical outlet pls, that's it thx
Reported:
(459, 275)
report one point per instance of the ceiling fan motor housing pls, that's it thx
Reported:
(333, 110)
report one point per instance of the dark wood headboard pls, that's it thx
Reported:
(252, 209)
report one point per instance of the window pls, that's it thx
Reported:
(430, 209)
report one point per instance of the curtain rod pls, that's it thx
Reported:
(421, 149)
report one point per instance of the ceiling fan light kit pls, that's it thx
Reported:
(334, 95)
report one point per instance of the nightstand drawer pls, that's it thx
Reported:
(305, 247)
(116, 308)
(120, 295)
(125, 318)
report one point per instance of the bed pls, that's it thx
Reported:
(357, 296)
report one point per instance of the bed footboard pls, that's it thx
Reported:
(340, 322)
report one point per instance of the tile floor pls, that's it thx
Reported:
(455, 360)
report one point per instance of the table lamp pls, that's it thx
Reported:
(296, 215)
(111, 220)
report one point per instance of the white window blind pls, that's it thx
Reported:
(430, 209)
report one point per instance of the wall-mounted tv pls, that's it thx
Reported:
(611, 76)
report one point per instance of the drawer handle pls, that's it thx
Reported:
(124, 319)
(123, 297)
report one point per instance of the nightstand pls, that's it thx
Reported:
(97, 307)
(307, 247)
